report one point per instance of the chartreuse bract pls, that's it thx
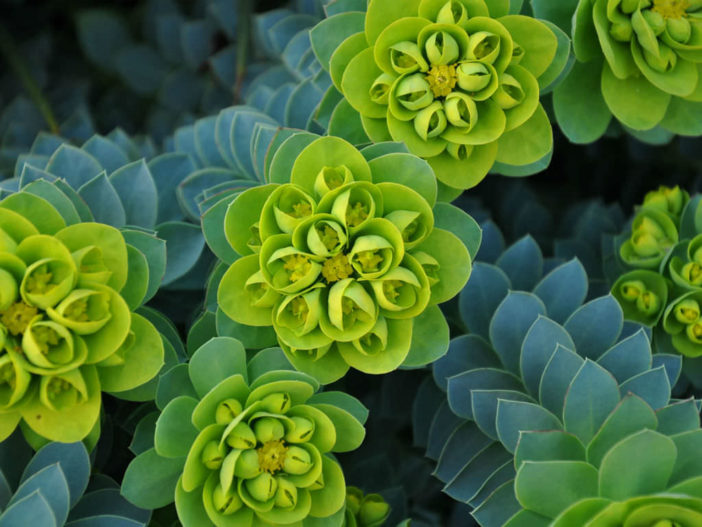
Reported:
(631, 55)
(345, 259)
(248, 445)
(369, 510)
(54, 488)
(457, 80)
(655, 269)
(67, 294)
(537, 361)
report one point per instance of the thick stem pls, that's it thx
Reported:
(9, 51)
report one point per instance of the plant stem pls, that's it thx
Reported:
(8, 49)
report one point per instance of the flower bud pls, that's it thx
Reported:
(241, 437)
(461, 111)
(431, 121)
(286, 495)
(441, 48)
(473, 76)
(484, 46)
(648, 303)
(622, 31)
(632, 290)
(226, 503)
(664, 61)
(458, 151)
(297, 461)
(692, 272)
(330, 178)
(687, 311)
(453, 12)
(301, 432)
(679, 29)
(655, 21)
(213, 455)
(263, 487)
(670, 200)
(510, 92)
(247, 466)
(354, 497)
(380, 89)
(517, 54)
(629, 6)
(406, 57)
(373, 511)
(414, 92)
(227, 410)
(276, 403)
(268, 429)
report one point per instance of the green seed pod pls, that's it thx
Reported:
(226, 503)
(297, 461)
(247, 466)
(648, 303)
(414, 92)
(286, 495)
(227, 410)
(687, 311)
(473, 76)
(241, 437)
(431, 121)
(268, 429)
(213, 455)
(510, 92)
(632, 290)
(276, 403)
(441, 48)
(679, 29)
(263, 487)
(406, 57)
(301, 432)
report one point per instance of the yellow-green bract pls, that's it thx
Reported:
(342, 262)
(66, 330)
(456, 80)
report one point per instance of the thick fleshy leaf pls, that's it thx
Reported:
(174, 431)
(150, 480)
(602, 313)
(523, 263)
(481, 296)
(542, 339)
(218, 359)
(563, 290)
(514, 417)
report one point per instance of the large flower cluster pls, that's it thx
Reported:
(66, 331)
(341, 265)
(456, 84)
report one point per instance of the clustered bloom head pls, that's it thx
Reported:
(341, 265)
(66, 331)
(452, 82)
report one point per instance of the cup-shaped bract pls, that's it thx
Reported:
(349, 264)
(365, 510)
(457, 80)
(251, 447)
(67, 294)
(631, 56)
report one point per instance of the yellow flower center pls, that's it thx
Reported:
(40, 281)
(298, 307)
(390, 288)
(356, 214)
(301, 210)
(271, 456)
(336, 268)
(689, 314)
(8, 375)
(57, 386)
(78, 311)
(297, 266)
(442, 79)
(17, 317)
(697, 330)
(369, 260)
(45, 337)
(671, 8)
(329, 237)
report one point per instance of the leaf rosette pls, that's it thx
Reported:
(251, 447)
(633, 55)
(341, 261)
(67, 331)
(457, 80)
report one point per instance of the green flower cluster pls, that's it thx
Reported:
(249, 453)
(459, 86)
(339, 263)
(665, 250)
(369, 510)
(652, 54)
(66, 331)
